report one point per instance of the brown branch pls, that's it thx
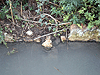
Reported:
(21, 9)
(53, 19)
(44, 23)
(54, 4)
(11, 11)
(49, 34)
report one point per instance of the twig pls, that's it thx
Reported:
(11, 11)
(54, 4)
(21, 8)
(31, 21)
(58, 70)
(51, 17)
(48, 34)
(44, 23)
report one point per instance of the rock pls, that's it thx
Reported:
(77, 34)
(98, 36)
(47, 44)
(20, 40)
(16, 38)
(74, 27)
(63, 38)
(29, 32)
(28, 39)
(38, 40)
(8, 37)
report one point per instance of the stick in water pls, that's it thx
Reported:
(58, 70)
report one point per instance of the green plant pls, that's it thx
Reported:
(3, 12)
(2, 37)
(10, 31)
(25, 5)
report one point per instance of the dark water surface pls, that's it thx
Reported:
(74, 58)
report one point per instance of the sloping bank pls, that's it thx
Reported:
(76, 34)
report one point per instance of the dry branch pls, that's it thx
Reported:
(49, 34)
(21, 9)
(44, 23)
(11, 11)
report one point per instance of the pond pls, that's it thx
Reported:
(72, 58)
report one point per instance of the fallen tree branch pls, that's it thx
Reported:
(51, 17)
(47, 23)
(44, 23)
(31, 21)
(49, 34)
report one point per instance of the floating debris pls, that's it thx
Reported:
(12, 51)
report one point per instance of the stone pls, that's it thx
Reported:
(77, 34)
(38, 40)
(8, 37)
(28, 39)
(63, 38)
(74, 27)
(29, 32)
(20, 40)
(16, 38)
(47, 44)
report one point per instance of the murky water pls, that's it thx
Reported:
(74, 58)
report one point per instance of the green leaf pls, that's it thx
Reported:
(81, 11)
(8, 17)
(37, 10)
(6, 28)
(54, 29)
(79, 26)
(46, 23)
(41, 24)
(90, 25)
(40, 20)
(42, 16)
(16, 17)
(8, 53)
(58, 34)
(22, 26)
(6, 11)
(11, 31)
(49, 28)
(56, 24)
(12, 52)
(32, 25)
